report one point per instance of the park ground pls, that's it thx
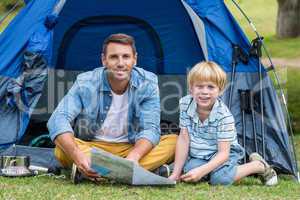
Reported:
(286, 56)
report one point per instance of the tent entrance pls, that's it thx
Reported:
(88, 34)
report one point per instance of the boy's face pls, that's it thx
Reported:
(205, 94)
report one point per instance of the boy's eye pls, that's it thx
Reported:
(211, 86)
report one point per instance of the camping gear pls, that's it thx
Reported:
(283, 99)
(18, 166)
(252, 110)
(15, 166)
(244, 99)
(39, 157)
(256, 52)
(237, 55)
(171, 37)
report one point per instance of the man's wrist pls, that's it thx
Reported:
(134, 156)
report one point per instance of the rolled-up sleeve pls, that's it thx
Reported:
(149, 119)
(68, 109)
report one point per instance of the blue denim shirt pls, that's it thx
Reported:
(86, 105)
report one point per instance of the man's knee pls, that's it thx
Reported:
(168, 142)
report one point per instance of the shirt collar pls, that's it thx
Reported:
(192, 111)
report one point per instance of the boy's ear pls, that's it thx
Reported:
(221, 92)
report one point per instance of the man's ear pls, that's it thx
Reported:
(103, 59)
(135, 56)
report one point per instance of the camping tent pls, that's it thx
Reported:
(54, 40)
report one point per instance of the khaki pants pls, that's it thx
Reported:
(162, 153)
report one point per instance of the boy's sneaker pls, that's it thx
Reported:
(76, 175)
(163, 171)
(269, 176)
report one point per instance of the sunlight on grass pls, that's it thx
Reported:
(263, 19)
(293, 88)
(10, 17)
(263, 15)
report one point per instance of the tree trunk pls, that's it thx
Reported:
(288, 18)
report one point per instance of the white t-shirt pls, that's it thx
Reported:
(115, 126)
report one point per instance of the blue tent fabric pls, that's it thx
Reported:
(13, 45)
(66, 36)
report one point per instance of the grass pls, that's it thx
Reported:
(293, 89)
(51, 188)
(263, 15)
(10, 17)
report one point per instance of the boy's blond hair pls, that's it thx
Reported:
(207, 71)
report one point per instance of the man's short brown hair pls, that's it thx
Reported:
(119, 38)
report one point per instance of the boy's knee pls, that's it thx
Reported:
(220, 180)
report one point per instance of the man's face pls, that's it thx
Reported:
(205, 94)
(119, 60)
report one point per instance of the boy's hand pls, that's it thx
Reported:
(193, 176)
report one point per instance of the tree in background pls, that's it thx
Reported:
(288, 18)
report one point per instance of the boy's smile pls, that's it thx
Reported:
(205, 94)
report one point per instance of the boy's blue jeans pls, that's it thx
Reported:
(224, 174)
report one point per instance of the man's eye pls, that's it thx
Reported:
(113, 57)
(126, 56)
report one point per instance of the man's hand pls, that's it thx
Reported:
(83, 162)
(194, 175)
(67, 143)
(140, 149)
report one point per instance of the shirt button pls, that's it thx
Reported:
(110, 94)
(106, 107)
(101, 120)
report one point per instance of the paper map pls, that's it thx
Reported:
(124, 171)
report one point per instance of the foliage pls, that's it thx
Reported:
(293, 89)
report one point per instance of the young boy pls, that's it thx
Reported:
(207, 146)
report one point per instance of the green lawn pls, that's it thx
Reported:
(263, 15)
(44, 188)
(293, 89)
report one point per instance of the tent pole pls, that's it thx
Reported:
(244, 104)
(251, 100)
(256, 52)
(237, 56)
(234, 63)
(278, 85)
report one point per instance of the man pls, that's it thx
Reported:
(115, 108)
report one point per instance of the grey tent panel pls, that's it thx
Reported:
(278, 146)
(43, 157)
